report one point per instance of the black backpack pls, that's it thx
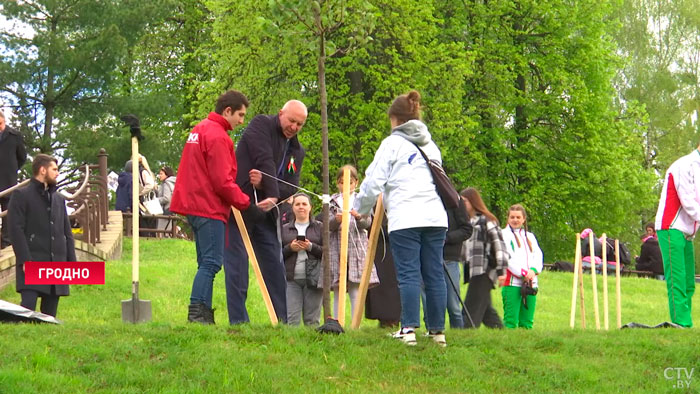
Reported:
(447, 192)
(625, 255)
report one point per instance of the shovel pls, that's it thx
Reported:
(135, 310)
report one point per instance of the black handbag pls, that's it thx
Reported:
(447, 192)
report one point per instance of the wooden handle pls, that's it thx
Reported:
(344, 239)
(256, 268)
(369, 263)
(135, 185)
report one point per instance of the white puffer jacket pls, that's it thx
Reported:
(400, 172)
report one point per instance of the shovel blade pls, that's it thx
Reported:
(136, 311)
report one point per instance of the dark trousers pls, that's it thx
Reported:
(478, 303)
(5, 232)
(263, 236)
(49, 303)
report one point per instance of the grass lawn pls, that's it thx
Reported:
(95, 352)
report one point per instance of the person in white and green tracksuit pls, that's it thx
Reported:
(525, 263)
(677, 221)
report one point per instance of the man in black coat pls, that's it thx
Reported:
(12, 158)
(268, 150)
(40, 231)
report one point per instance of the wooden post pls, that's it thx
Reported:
(256, 268)
(604, 240)
(580, 290)
(594, 281)
(618, 295)
(577, 264)
(344, 235)
(369, 263)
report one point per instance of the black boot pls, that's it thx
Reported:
(197, 314)
(209, 315)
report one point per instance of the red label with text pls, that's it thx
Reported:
(64, 272)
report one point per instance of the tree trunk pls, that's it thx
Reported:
(49, 96)
(326, 208)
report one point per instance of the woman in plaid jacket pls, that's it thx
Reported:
(485, 259)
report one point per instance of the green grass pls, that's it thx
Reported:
(95, 352)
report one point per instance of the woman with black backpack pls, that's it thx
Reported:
(485, 262)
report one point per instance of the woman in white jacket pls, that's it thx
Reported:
(524, 264)
(417, 217)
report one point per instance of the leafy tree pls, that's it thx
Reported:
(659, 39)
(75, 65)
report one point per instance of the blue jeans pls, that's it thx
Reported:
(418, 259)
(454, 306)
(209, 242)
(268, 251)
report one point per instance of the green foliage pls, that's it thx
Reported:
(573, 109)
(77, 65)
(93, 351)
(659, 40)
(518, 95)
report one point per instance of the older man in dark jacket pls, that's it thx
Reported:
(12, 158)
(40, 231)
(269, 163)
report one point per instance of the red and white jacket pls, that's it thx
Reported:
(679, 205)
(523, 258)
(205, 184)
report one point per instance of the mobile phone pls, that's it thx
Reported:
(301, 238)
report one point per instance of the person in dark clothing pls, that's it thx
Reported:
(124, 198)
(303, 250)
(13, 155)
(486, 260)
(650, 257)
(40, 231)
(383, 302)
(270, 159)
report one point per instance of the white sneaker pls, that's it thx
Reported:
(405, 335)
(438, 338)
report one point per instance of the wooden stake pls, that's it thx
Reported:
(618, 295)
(344, 235)
(256, 267)
(594, 282)
(580, 290)
(605, 282)
(577, 263)
(369, 263)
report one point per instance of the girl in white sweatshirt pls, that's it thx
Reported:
(524, 264)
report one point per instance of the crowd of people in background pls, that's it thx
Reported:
(424, 241)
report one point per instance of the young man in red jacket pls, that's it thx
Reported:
(205, 190)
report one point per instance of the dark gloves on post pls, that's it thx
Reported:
(133, 122)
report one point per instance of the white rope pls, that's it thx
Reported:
(292, 185)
